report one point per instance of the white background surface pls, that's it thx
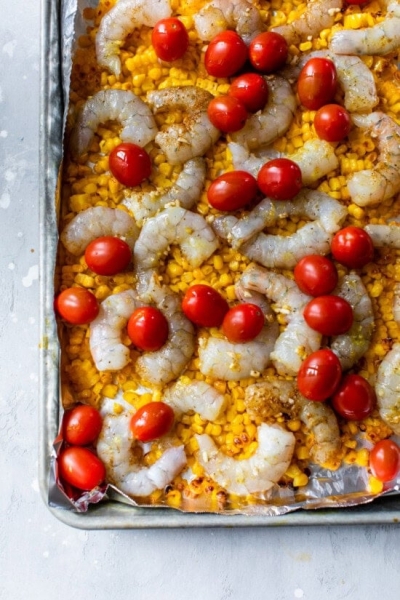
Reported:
(42, 558)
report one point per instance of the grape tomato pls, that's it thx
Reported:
(227, 113)
(77, 306)
(384, 460)
(319, 375)
(225, 55)
(81, 468)
(243, 322)
(152, 421)
(81, 425)
(316, 275)
(355, 398)
(329, 315)
(170, 39)
(232, 190)
(268, 52)
(130, 164)
(352, 247)
(280, 179)
(204, 306)
(252, 91)
(148, 328)
(108, 255)
(317, 83)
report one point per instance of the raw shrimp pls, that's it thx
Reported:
(196, 134)
(384, 235)
(136, 118)
(174, 225)
(377, 40)
(198, 396)
(96, 222)
(309, 204)
(185, 192)
(122, 19)
(351, 346)
(298, 340)
(252, 475)
(318, 15)
(219, 15)
(387, 389)
(372, 186)
(273, 121)
(118, 450)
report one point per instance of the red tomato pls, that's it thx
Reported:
(332, 123)
(152, 421)
(148, 328)
(81, 425)
(384, 460)
(227, 113)
(329, 315)
(316, 275)
(81, 468)
(243, 322)
(232, 190)
(170, 39)
(130, 164)
(225, 55)
(317, 83)
(280, 179)
(251, 89)
(268, 52)
(77, 305)
(319, 375)
(108, 255)
(352, 247)
(355, 398)
(204, 306)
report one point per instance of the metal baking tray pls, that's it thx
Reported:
(110, 514)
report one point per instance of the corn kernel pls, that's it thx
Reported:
(300, 480)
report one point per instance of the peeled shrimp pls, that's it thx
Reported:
(387, 389)
(198, 396)
(351, 346)
(372, 186)
(122, 19)
(253, 475)
(136, 118)
(384, 235)
(185, 191)
(219, 15)
(273, 121)
(95, 222)
(318, 15)
(378, 40)
(115, 448)
(298, 340)
(196, 134)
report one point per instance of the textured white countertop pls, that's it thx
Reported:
(40, 557)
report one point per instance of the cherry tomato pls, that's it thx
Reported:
(355, 398)
(130, 164)
(280, 179)
(332, 123)
(329, 315)
(77, 305)
(152, 421)
(384, 460)
(81, 468)
(148, 328)
(268, 51)
(108, 255)
(232, 190)
(204, 306)
(317, 83)
(81, 425)
(227, 113)
(243, 322)
(319, 375)
(170, 39)
(316, 275)
(251, 89)
(225, 55)
(352, 247)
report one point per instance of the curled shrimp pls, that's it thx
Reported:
(136, 118)
(96, 222)
(384, 235)
(122, 19)
(298, 340)
(119, 451)
(198, 396)
(252, 475)
(372, 186)
(387, 389)
(185, 191)
(196, 134)
(273, 121)
(318, 15)
(378, 40)
(219, 15)
(351, 346)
